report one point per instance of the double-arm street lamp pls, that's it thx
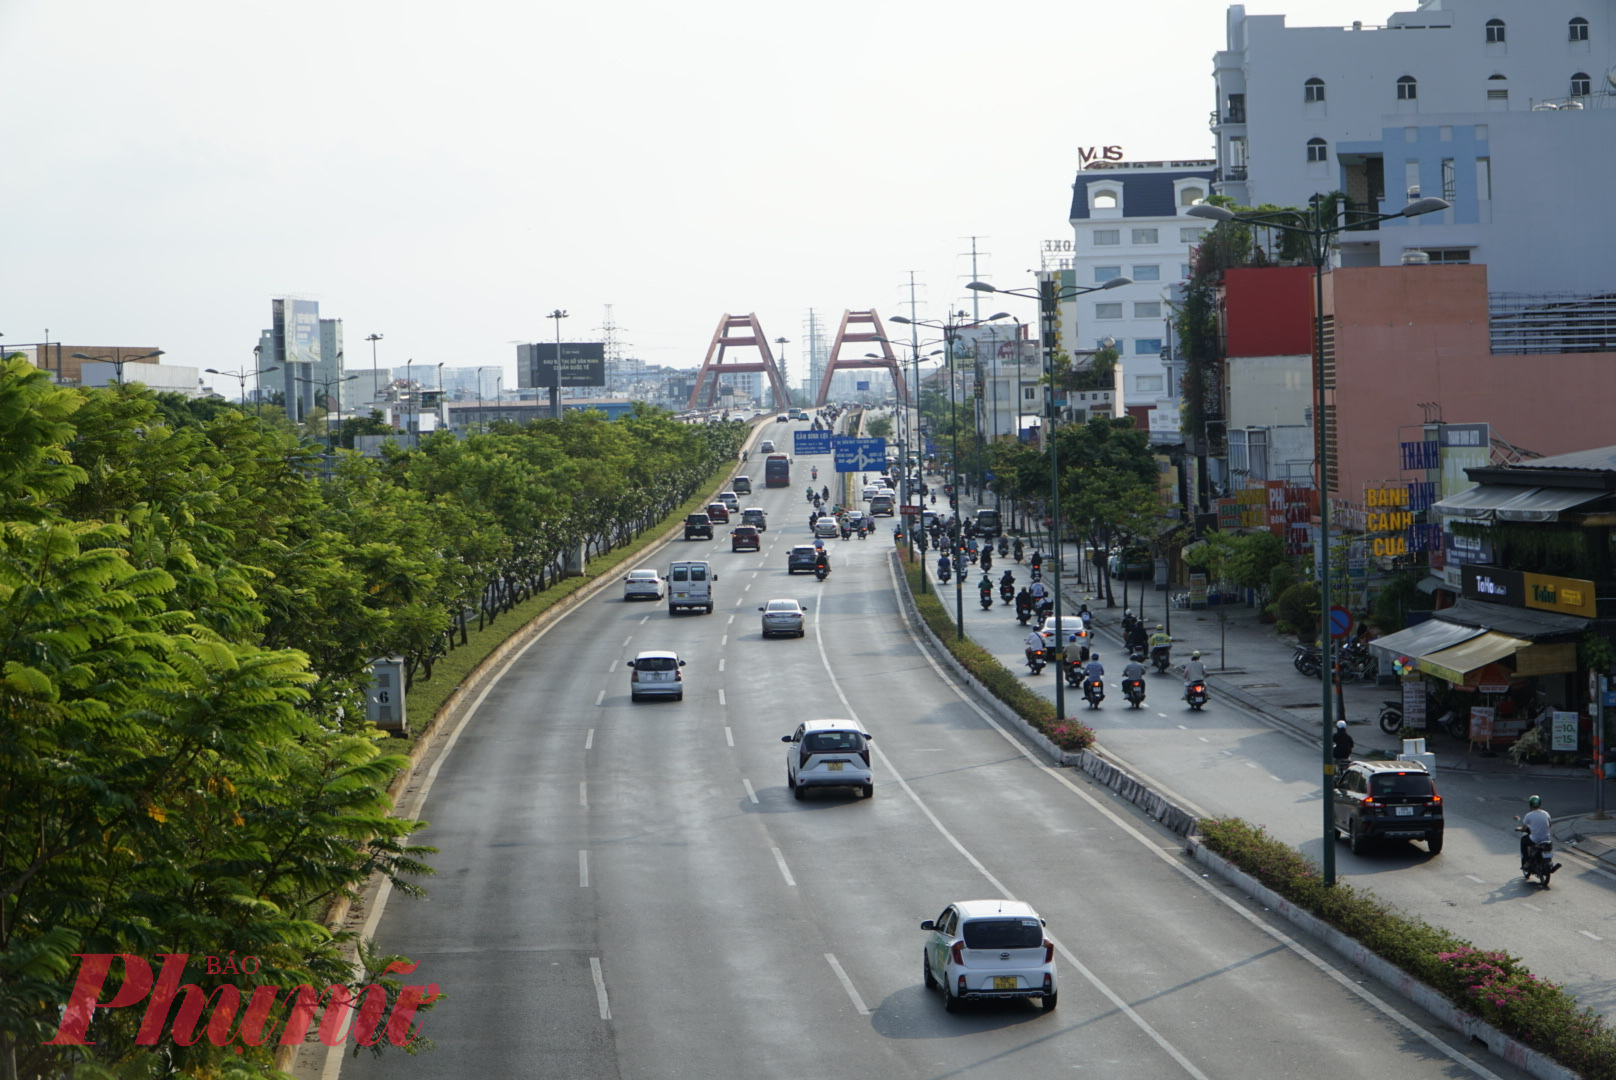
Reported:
(241, 382)
(1320, 230)
(118, 363)
(949, 328)
(1049, 295)
(326, 385)
(909, 436)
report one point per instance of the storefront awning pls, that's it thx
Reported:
(1428, 637)
(1527, 623)
(1455, 663)
(1510, 502)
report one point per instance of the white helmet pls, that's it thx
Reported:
(1341, 725)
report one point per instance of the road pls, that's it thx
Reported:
(629, 890)
(1226, 761)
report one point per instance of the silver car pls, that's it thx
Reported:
(783, 617)
(643, 584)
(656, 674)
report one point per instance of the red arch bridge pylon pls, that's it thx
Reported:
(858, 327)
(736, 331)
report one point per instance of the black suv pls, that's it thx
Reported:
(1391, 799)
(801, 557)
(698, 525)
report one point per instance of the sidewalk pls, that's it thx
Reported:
(1251, 664)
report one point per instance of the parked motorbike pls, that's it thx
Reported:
(1134, 691)
(1161, 656)
(1307, 659)
(1539, 862)
(1094, 692)
(1035, 661)
(1195, 694)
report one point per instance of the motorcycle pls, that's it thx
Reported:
(1161, 656)
(820, 572)
(987, 559)
(1094, 692)
(1037, 575)
(1018, 551)
(1007, 593)
(986, 597)
(847, 531)
(943, 574)
(1035, 661)
(1023, 613)
(1134, 691)
(815, 474)
(1308, 659)
(1195, 694)
(1539, 862)
(862, 531)
(1004, 547)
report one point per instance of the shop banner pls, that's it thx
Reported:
(1565, 732)
(1481, 724)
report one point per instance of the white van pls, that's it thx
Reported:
(690, 585)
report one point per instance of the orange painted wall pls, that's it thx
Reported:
(1410, 334)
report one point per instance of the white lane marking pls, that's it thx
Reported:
(583, 869)
(1167, 856)
(729, 736)
(721, 700)
(1276, 779)
(644, 619)
(600, 697)
(1203, 738)
(1094, 980)
(731, 619)
(612, 668)
(720, 663)
(1588, 934)
(785, 871)
(1476, 879)
(750, 794)
(1250, 764)
(627, 640)
(589, 740)
(583, 793)
(600, 988)
(847, 984)
(737, 601)
(1534, 907)
(748, 587)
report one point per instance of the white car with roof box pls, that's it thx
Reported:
(981, 949)
(829, 753)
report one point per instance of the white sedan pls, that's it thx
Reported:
(783, 617)
(644, 584)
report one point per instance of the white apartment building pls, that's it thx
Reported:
(1128, 221)
(1505, 108)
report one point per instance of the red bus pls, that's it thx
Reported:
(777, 471)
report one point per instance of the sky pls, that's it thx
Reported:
(447, 174)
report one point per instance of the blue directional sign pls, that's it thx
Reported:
(858, 455)
(811, 442)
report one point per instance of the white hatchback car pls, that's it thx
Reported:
(783, 617)
(656, 674)
(642, 585)
(829, 753)
(979, 949)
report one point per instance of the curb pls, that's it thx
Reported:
(1509, 1049)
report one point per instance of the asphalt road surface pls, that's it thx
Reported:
(629, 890)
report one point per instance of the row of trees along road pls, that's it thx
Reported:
(189, 603)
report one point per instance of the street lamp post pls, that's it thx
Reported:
(952, 326)
(1048, 296)
(116, 362)
(326, 385)
(555, 391)
(375, 390)
(241, 382)
(1319, 234)
(910, 440)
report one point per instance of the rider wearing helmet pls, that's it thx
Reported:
(1534, 830)
(1194, 671)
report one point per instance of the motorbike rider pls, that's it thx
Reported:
(1035, 644)
(1018, 550)
(1024, 601)
(1093, 669)
(1037, 560)
(1194, 672)
(1341, 750)
(943, 566)
(1138, 638)
(1161, 639)
(1039, 590)
(821, 562)
(1534, 829)
(1085, 614)
(985, 586)
(987, 558)
(815, 472)
(1133, 670)
(825, 492)
(1008, 579)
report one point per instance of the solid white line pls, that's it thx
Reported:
(1476, 879)
(720, 663)
(589, 740)
(600, 697)
(750, 794)
(1167, 856)
(627, 640)
(785, 871)
(583, 793)
(583, 869)
(600, 988)
(721, 700)
(612, 668)
(1586, 934)
(847, 984)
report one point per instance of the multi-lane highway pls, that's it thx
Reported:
(629, 890)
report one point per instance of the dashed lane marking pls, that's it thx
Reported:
(583, 869)
(600, 988)
(750, 794)
(589, 740)
(785, 871)
(729, 737)
(847, 984)
(583, 793)
(721, 700)
(600, 697)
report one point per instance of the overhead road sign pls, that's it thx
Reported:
(811, 442)
(858, 455)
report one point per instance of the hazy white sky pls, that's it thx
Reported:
(444, 174)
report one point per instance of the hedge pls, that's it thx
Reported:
(1494, 986)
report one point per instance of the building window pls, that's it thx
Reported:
(1147, 309)
(1447, 179)
(1144, 236)
(1495, 31)
(1185, 271)
(1318, 150)
(1106, 237)
(1146, 273)
(1108, 311)
(1407, 88)
(1147, 346)
(1313, 90)
(1579, 29)
(1191, 235)
(1103, 274)
(1449, 256)
(1105, 199)
(1581, 85)
(1191, 196)
(1497, 92)
(1148, 384)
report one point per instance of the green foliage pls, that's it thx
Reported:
(1595, 652)
(1494, 986)
(1396, 599)
(1245, 560)
(878, 427)
(1298, 608)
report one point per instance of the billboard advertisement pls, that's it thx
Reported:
(582, 363)
(297, 325)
